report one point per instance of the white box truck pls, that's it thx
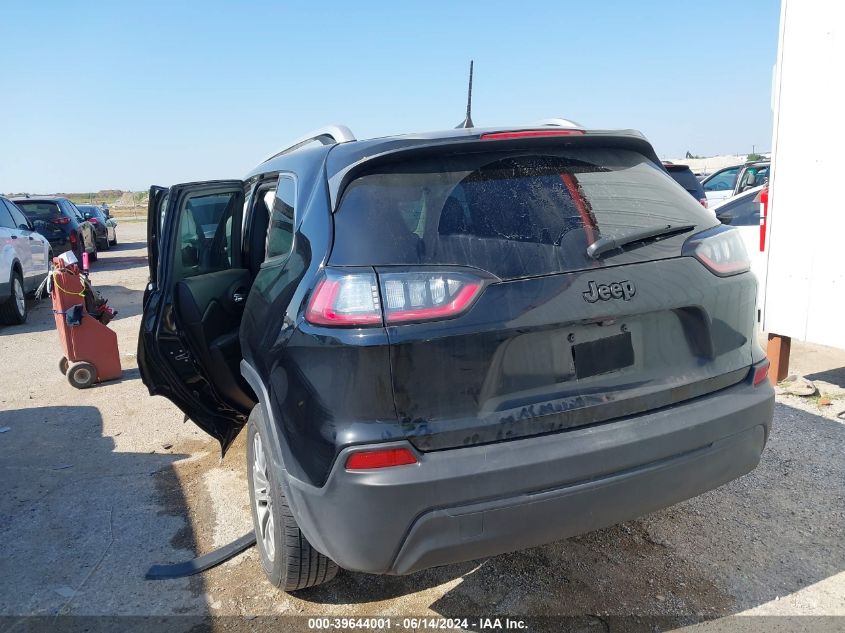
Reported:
(804, 295)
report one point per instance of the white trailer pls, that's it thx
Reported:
(804, 280)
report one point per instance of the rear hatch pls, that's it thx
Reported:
(47, 218)
(95, 218)
(503, 325)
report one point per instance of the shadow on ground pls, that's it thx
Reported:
(81, 523)
(833, 376)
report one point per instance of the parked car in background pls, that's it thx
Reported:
(451, 345)
(104, 227)
(730, 181)
(683, 175)
(743, 212)
(24, 261)
(61, 223)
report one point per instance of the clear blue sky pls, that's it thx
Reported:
(126, 94)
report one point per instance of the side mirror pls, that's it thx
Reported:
(725, 218)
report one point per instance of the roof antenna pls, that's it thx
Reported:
(467, 122)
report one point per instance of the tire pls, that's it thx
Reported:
(288, 559)
(63, 365)
(114, 241)
(81, 374)
(106, 245)
(92, 256)
(13, 309)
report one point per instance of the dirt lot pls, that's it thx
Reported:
(98, 485)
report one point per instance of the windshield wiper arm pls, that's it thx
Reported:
(604, 244)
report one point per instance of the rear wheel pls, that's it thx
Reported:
(288, 559)
(93, 254)
(81, 374)
(13, 309)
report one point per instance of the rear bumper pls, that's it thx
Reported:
(467, 503)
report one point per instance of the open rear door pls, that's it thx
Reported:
(189, 346)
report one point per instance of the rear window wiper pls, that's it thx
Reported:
(605, 244)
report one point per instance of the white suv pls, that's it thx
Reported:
(24, 261)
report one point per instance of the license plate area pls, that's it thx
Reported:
(603, 355)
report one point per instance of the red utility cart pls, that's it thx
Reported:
(90, 348)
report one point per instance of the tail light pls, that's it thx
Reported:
(760, 372)
(380, 458)
(763, 198)
(60, 220)
(720, 249)
(93, 220)
(502, 136)
(345, 299)
(703, 202)
(358, 299)
(424, 296)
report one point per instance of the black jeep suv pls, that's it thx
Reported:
(452, 345)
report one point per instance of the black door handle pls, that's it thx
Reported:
(14, 237)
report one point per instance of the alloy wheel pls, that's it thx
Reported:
(262, 499)
(20, 299)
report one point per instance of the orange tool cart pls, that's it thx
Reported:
(90, 347)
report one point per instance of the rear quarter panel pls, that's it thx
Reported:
(320, 382)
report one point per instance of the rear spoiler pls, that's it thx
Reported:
(390, 151)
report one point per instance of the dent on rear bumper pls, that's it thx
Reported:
(478, 501)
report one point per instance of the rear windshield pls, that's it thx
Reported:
(94, 211)
(39, 210)
(512, 215)
(687, 180)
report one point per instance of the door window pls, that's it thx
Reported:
(723, 180)
(753, 177)
(162, 210)
(744, 212)
(205, 234)
(280, 231)
(20, 221)
(6, 220)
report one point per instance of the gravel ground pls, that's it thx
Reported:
(100, 484)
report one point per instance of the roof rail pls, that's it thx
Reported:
(328, 135)
(557, 122)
